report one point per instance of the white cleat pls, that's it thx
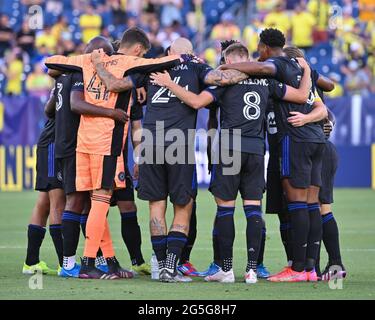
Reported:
(221, 276)
(251, 277)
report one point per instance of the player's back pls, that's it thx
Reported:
(163, 105)
(290, 73)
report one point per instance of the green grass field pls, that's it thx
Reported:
(354, 210)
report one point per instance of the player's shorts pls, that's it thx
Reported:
(126, 194)
(329, 168)
(95, 171)
(249, 181)
(158, 181)
(301, 162)
(48, 172)
(68, 170)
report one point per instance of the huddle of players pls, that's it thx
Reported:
(299, 143)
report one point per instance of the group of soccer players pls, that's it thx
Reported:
(82, 165)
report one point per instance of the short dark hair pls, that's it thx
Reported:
(135, 35)
(224, 45)
(237, 48)
(273, 38)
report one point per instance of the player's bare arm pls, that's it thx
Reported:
(80, 106)
(253, 68)
(318, 113)
(228, 77)
(50, 106)
(300, 95)
(191, 99)
(325, 83)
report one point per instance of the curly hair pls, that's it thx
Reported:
(273, 38)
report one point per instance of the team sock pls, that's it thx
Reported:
(300, 223)
(131, 234)
(315, 235)
(286, 235)
(56, 235)
(225, 234)
(96, 225)
(262, 244)
(253, 234)
(175, 242)
(70, 233)
(113, 264)
(159, 245)
(88, 262)
(331, 239)
(215, 244)
(186, 251)
(35, 236)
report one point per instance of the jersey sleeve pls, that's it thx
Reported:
(279, 67)
(77, 82)
(139, 80)
(146, 66)
(62, 63)
(136, 112)
(216, 92)
(277, 89)
(202, 71)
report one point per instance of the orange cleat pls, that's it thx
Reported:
(289, 275)
(312, 276)
(282, 271)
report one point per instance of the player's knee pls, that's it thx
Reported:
(127, 206)
(75, 203)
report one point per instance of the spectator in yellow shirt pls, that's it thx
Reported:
(320, 9)
(278, 19)
(250, 35)
(13, 73)
(90, 24)
(226, 29)
(338, 91)
(46, 39)
(38, 83)
(303, 23)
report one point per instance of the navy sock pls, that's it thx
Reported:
(83, 222)
(286, 235)
(315, 236)
(56, 235)
(131, 234)
(70, 231)
(185, 255)
(300, 223)
(262, 244)
(35, 236)
(226, 234)
(215, 244)
(159, 245)
(176, 242)
(331, 239)
(253, 234)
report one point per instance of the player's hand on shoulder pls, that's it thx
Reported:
(141, 95)
(97, 56)
(119, 115)
(297, 119)
(161, 79)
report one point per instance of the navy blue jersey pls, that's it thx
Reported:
(243, 106)
(289, 72)
(67, 122)
(47, 136)
(163, 105)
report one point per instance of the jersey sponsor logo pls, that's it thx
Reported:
(251, 110)
(258, 82)
(59, 101)
(78, 84)
(311, 98)
(158, 96)
(271, 123)
(181, 67)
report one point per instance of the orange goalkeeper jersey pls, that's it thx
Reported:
(98, 135)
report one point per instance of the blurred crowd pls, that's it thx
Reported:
(338, 37)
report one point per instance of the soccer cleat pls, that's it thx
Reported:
(262, 271)
(122, 273)
(72, 273)
(251, 277)
(312, 276)
(221, 276)
(331, 273)
(289, 275)
(282, 271)
(143, 269)
(172, 277)
(212, 269)
(103, 267)
(39, 267)
(90, 272)
(187, 269)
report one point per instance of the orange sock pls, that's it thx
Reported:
(96, 224)
(106, 244)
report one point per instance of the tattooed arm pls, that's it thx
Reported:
(224, 77)
(112, 83)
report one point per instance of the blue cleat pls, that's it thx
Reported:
(103, 267)
(212, 269)
(262, 271)
(73, 273)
